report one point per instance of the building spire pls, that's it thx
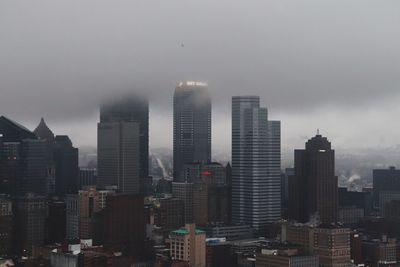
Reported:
(43, 131)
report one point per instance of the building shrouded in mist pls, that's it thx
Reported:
(192, 125)
(132, 108)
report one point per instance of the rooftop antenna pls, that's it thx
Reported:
(317, 131)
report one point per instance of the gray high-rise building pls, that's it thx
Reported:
(118, 155)
(256, 164)
(131, 108)
(66, 158)
(23, 160)
(192, 125)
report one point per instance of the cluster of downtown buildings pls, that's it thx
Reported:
(245, 213)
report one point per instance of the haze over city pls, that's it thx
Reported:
(332, 65)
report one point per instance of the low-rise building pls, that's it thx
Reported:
(188, 244)
(332, 245)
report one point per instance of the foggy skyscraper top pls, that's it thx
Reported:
(131, 108)
(192, 125)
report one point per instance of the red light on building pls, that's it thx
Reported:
(206, 173)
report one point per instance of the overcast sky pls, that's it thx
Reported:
(328, 64)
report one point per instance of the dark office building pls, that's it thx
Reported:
(9, 167)
(66, 163)
(31, 211)
(385, 180)
(219, 254)
(87, 177)
(393, 210)
(219, 204)
(118, 156)
(213, 176)
(168, 214)
(33, 167)
(22, 160)
(56, 222)
(362, 200)
(314, 187)
(13, 131)
(121, 225)
(212, 173)
(164, 186)
(192, 125)
(6, 225)
(285, 189)
(43, 132)
(131, 109)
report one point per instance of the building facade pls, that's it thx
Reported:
(31, 213)
(313, 190)
(189, 244)
(6, 225)
(332, 245)
(256, 162)
(119, 155)
(66, 166)
(385, 180)
(131, 108)
(192, 125)
(120, 226)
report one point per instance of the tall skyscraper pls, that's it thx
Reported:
(43, 132)
(313, 190)
(33, 177)
(131, 108)
(66, 161)
(256, 161)
(62, 161)
(23, 166)
(192, 125)
(118, 155)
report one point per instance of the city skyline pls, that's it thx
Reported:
(199, 133)
(301, 59)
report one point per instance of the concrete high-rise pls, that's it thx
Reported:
(256, 164)
(131, 108)
(192, 125)
(118, 155)
(313, 190)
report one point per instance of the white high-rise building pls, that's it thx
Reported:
(256, 164)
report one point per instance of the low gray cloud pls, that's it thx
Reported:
(59, 59)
